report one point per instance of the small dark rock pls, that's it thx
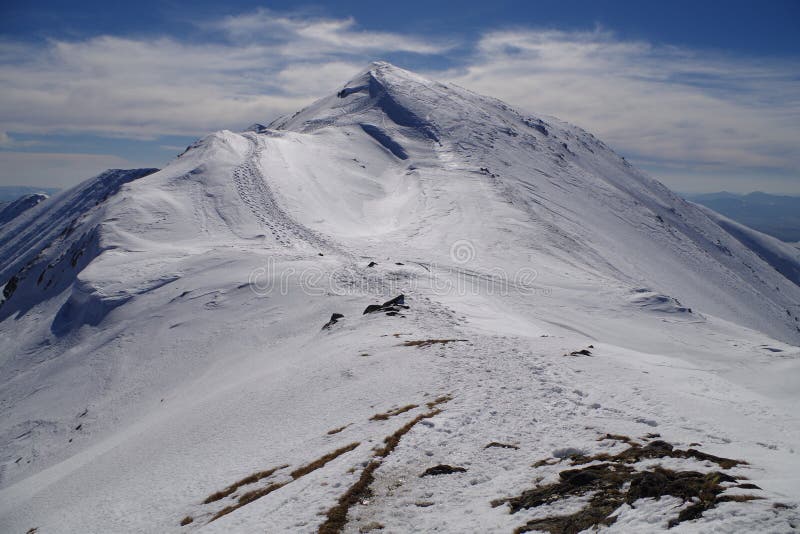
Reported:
(334, 319)
(501, 445)
(399, 300)
(393, 305)
(372, 264)
(748, 486)
(442, 469)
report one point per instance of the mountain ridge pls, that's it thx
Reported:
(554, 297)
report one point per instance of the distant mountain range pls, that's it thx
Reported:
(778, 216)
(9, 193)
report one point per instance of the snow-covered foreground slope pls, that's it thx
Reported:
(162, 337)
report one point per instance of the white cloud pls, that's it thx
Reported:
(258, 66)
(713, 113)
(656, 104)
(8, 142)
(138, 88)
(319, 37)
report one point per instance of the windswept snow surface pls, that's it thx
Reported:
(161, 331)
(11, 210)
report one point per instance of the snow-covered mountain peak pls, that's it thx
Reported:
(557, 303)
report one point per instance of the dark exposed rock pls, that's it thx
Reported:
(501, 445)
(10, 287)
(442, 469)
(334, 319)
(394, 305)
(372, 308)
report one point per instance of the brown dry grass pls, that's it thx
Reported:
(336, 518)
(251, 496)
(247, 498)
(617, 437)
(322, 460)
(655, 449)
(337, 430)
(617, 481)
(250, 479)
(421, 343)
(391, 413)
(186, 520)
(391, 442)
(439, 400)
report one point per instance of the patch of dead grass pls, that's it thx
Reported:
(421, 343)
(322, 460)
(251, 496)
(250, 479)
(336, 517)
(616, 481)
(439, 400)
(391, 413)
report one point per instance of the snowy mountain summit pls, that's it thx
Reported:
(406, 307)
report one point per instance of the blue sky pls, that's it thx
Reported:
(705, 96)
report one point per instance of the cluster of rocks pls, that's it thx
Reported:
(391, 307)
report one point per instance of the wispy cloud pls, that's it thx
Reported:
(257, 66)
(661, 106)
(308, 38)
(658, 104)
(7, 142)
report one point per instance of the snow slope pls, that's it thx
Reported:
(12, 210)
(162, 335)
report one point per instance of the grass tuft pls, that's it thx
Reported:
(617, 481)
(336, 518)
(391, 413)
(251, 479)
(421, 343)
(322, 460)
(391, 442)
(439, 400)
